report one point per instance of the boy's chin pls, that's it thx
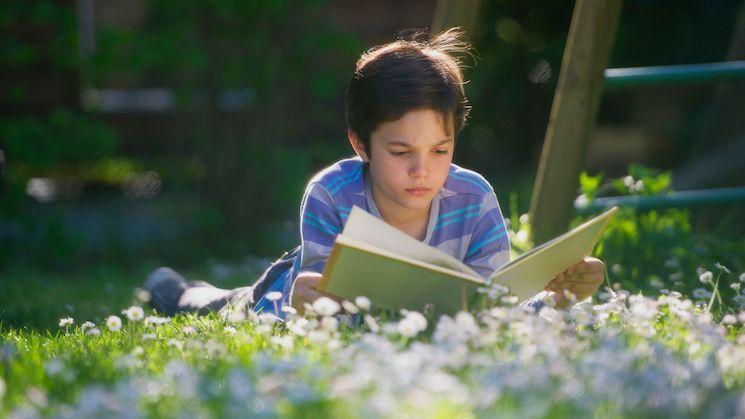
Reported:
(416, 204)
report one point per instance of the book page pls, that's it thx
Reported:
(368, 228)
(528, 274)
(393, 281)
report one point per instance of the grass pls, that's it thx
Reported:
(658, 355)
(631, 357)
(33, 299)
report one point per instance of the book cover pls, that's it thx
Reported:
(395, 270)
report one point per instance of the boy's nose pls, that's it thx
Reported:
(419, 168)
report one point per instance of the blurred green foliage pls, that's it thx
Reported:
(652, 250)
(290, 64)
(63, 139)
(40, 137)
(19, 19)
(250, 159)
(649, 252)
(520, 44)
(42, 131)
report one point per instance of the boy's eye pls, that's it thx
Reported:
(399, 153)
(441, 150)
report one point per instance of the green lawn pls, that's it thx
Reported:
(629, 356)
(37, 300)
(675, 350)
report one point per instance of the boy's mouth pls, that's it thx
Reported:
(418, 191)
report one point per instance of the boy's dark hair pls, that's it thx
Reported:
(409, 74)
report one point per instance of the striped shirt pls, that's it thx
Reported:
(465, 220)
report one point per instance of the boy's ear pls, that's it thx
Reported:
(357, 145)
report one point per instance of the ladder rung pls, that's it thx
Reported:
(616, 78)
(672, 200)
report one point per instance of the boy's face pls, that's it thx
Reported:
(410, 160)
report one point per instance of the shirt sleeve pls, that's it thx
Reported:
(489, 248)
(320, 223)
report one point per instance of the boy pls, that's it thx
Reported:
(405, 107)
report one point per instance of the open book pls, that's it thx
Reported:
(395, 270)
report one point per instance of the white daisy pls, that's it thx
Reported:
(157, 320)
(264, 329)
(330, 323)
(722, 267)
(509, 300)
(706, 277)
(282, 341)
(570, 296)
(349, 307)
(114, 323)
(729, 319)
(372, 323)
(325, 306)
(268, 318)
(135, 313)
(273, 295)
(67, 321)
(364, 303)
(289, 310)
(412, 323)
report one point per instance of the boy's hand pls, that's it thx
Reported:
(305, 290)
(581, 279)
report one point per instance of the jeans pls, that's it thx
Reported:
(170, 293)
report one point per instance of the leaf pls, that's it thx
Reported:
(589, 184)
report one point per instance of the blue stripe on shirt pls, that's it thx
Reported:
(354, 176)
(456, 220)
(319, 227)
(317, 219)
(470, 180)
(344, 211)
(458, 211)
(472, 251)
(343, 177)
